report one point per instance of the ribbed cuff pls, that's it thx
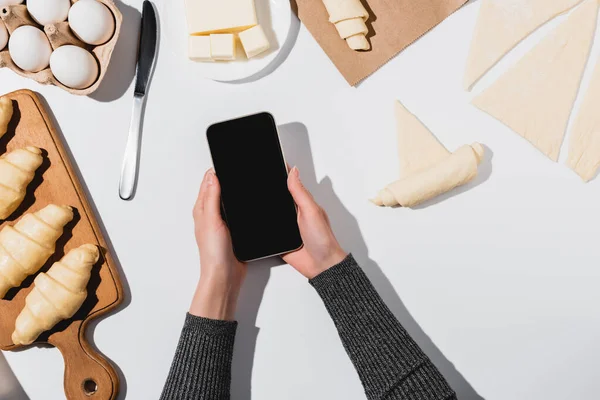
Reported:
(207, 326)
(333, 274)
(425, 383)
(201, 368)
(385, 356)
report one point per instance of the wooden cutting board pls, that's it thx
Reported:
(87, 374)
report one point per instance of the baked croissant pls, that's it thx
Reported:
(17, 170)
(26, 247)
(57, 294)
(6, 112)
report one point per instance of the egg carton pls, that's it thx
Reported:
(59, 34)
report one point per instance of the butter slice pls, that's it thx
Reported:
(222, 46)
(219, 16)
(199, 48)
(254, 41)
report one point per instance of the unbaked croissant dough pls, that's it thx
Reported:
(6, 112)
(17, 170)
(501, 25)
(427, 168)
(584, 147)
(536, 96)
(57, 295)
(349, 17)
(25, 247)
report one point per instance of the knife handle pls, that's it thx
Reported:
(132, 151)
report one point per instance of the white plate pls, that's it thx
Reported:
(274, 16)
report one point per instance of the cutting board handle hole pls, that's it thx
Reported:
(90, 387)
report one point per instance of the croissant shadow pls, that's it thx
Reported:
(87, 306)
(12, 127)
(372, 18)
(126, 292)
(58, 254)
(38, 179)
(30, 198)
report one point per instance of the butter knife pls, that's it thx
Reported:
(147, 54)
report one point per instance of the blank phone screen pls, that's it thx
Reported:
(256, 203)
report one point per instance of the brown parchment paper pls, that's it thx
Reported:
(393, 26)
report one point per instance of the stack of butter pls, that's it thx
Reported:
(214, 25)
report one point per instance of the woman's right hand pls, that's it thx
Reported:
(321, 249)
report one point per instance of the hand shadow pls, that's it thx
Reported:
(249, 301)
(10, 389)
(296, 145)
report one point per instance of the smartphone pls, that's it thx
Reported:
(255, 201)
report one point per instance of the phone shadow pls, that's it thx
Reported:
(296, 146)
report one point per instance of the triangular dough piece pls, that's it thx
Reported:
(418, 149)
(535, 97)
(501, 25)
(584, 146)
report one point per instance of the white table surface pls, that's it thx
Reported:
(497, 281)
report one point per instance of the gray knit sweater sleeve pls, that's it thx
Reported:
(391, 366)
(201, 369)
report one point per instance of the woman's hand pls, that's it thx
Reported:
(222, 274)
(321, 249)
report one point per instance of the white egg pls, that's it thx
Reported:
(74, 67)
(3, 35)
(92, 22)
(10, 2)
(47, 12)
(29, 48)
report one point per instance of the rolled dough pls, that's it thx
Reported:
(358, 42)
(427, 169)
(535, 97)
(351, 27)
(349, 17)
(340, 10)
(584, 146)
(501, 25)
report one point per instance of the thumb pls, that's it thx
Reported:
(212, 202)
(301, 196)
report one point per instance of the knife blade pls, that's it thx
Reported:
(147, 55)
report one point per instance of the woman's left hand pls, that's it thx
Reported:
(222, 274)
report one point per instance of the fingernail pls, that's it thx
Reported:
(211, 178)
(295, 172)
